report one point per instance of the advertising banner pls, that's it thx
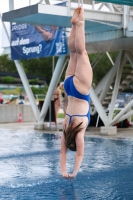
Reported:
(29, 41)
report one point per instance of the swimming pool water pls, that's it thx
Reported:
(30, 170)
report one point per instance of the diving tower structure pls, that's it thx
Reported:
(105, 31)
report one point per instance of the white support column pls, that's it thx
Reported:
(68, 7)
(129, 56)
(110, 7)
(117, 83)
(98, 106)
(27, 88)
(40, 1)
(110, 58)
(128, 14)
(56, 75)
(100, 7)
(115, 6)
(127, 115)
(53, 61)
(105, 83)
(23, 76)
(122, 112)
(108, 79)
(125, 18)
(46, 1)
(11, 4)
(93, 5)
(100, 85)
(96, 60)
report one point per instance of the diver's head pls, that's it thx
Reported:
(70, 135)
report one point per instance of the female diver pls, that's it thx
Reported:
(77, 84)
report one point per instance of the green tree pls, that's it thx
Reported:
(102, 67)
(34, 81)
(42, 90)
(6, 64)
(43, 66)
(39, 67)
(7, 79)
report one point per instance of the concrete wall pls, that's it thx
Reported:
(10, 113)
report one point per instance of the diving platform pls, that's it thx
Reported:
(53, 15)
(104, 30)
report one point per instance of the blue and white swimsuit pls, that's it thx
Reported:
(72, 91)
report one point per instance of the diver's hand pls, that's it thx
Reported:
(72, 175)
(65, 175)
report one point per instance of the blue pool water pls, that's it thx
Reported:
(29, 168)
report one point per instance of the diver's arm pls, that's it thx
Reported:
(63, 150)
(79, 154)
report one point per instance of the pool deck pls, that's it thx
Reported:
(122, 133)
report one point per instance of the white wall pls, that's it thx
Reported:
(10, 113)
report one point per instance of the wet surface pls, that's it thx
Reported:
(29, 168)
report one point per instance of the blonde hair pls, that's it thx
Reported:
(70, 135)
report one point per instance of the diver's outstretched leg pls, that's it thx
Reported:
(83, 72)
(73, 55)
(75, 15)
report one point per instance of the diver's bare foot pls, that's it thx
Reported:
(81, 14)
(75, 15)
(79, 18)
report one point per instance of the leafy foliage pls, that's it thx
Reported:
(39, 67)
(43, 66)
(34, 81)
(7, 65)
(103, 66)
(42, 90)
(7, 79)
